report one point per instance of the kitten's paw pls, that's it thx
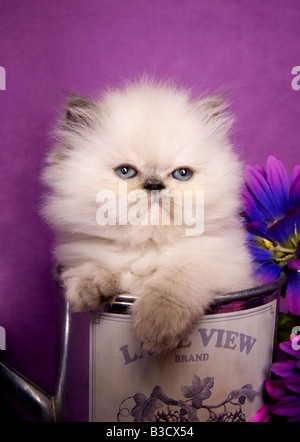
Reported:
(160, 323)
(89, 286)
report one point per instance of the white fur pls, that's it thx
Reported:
(155, 128)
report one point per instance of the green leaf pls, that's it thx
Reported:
(285, 325)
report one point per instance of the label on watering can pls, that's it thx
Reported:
(216, 374)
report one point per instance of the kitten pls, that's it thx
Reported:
(131, 177)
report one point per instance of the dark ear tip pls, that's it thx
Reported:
(68, 115)
(214, 105)
(79, 109)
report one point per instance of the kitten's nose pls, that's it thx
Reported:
(153, 184)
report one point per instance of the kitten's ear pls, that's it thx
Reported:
(80, 113)
(213, 106)
(80, 116)
(213, 110)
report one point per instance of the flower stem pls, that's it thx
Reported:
(279, 248)
(286, 258)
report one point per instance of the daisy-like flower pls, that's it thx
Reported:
(283, 401)
(272, 209)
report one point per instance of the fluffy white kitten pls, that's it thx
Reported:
(146, 141)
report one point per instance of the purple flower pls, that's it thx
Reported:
(283, 401)
(272, 210)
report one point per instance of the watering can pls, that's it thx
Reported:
(215, 374)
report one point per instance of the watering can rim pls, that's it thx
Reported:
(251, 293)
(246, 294)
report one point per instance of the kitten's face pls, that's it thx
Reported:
(137, 165)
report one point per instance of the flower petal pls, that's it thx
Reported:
(284, 369)
(294, 264)
(275, 389)
(283, 230)
(288, 406)
(293, 288)
(279, 182)
(263, 415)
(267, 272)
(260, 189)
(252, 207)
(294, 419)
(293, 383)
(295, 173)
(294, 196)
(259, 254)
(258, 228)
(287, 348)
(261, 170)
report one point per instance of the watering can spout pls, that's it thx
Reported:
(31, 399)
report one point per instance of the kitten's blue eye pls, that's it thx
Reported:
(182, 174)
(126, 172)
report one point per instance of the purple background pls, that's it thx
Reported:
(248, 46)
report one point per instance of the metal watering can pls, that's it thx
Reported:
(217, 373)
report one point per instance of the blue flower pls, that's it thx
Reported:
(272, 211)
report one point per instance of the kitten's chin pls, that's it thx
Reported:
(140, 235)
